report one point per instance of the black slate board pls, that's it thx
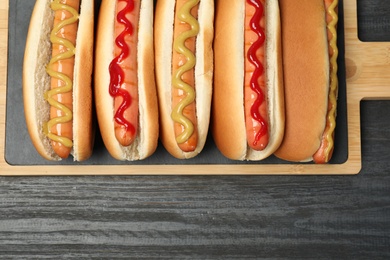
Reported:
(20, 151)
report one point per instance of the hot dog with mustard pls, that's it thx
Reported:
(184, 33)
(57, 72)
(310, 77)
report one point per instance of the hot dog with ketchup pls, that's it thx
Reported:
(125, 91)
(310, 76)
(184, 33)
(248, 98)
(57, 73)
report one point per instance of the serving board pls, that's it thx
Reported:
(363, 72)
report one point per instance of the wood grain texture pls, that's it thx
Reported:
(206, 217)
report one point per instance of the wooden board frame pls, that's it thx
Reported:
(367, 77)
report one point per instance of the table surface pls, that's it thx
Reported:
(205, 217)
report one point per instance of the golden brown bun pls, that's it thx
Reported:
(203, 72)
(36, 81)
(147, 139)
(228, 126)
(306, 77)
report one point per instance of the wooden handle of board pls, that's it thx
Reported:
(367, 63)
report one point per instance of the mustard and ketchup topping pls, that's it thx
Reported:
(67, 82)
(184, 15)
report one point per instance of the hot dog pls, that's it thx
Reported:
(248, 98)
(184, 33)
(125, 90)
(57, 90)
(310, 77)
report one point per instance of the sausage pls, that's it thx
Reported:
(325, 151)
(184, 114)
(123, 85)
(63, 37)
(256, 115)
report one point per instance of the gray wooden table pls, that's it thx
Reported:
(199, 217)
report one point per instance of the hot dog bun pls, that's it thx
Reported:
(164, 27)
(228, 125)
(306, 78)
(36, 81)
(147, 138)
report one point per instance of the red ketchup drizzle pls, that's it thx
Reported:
(116, 72)
(259, 68)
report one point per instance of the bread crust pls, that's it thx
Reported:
(36, 81)
(228, 117)
(306, 78)
(147, 139)
(83, 133)
(203, 73)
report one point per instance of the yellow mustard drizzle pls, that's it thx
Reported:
(331, 116)
(185, 15)
(67, 113)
